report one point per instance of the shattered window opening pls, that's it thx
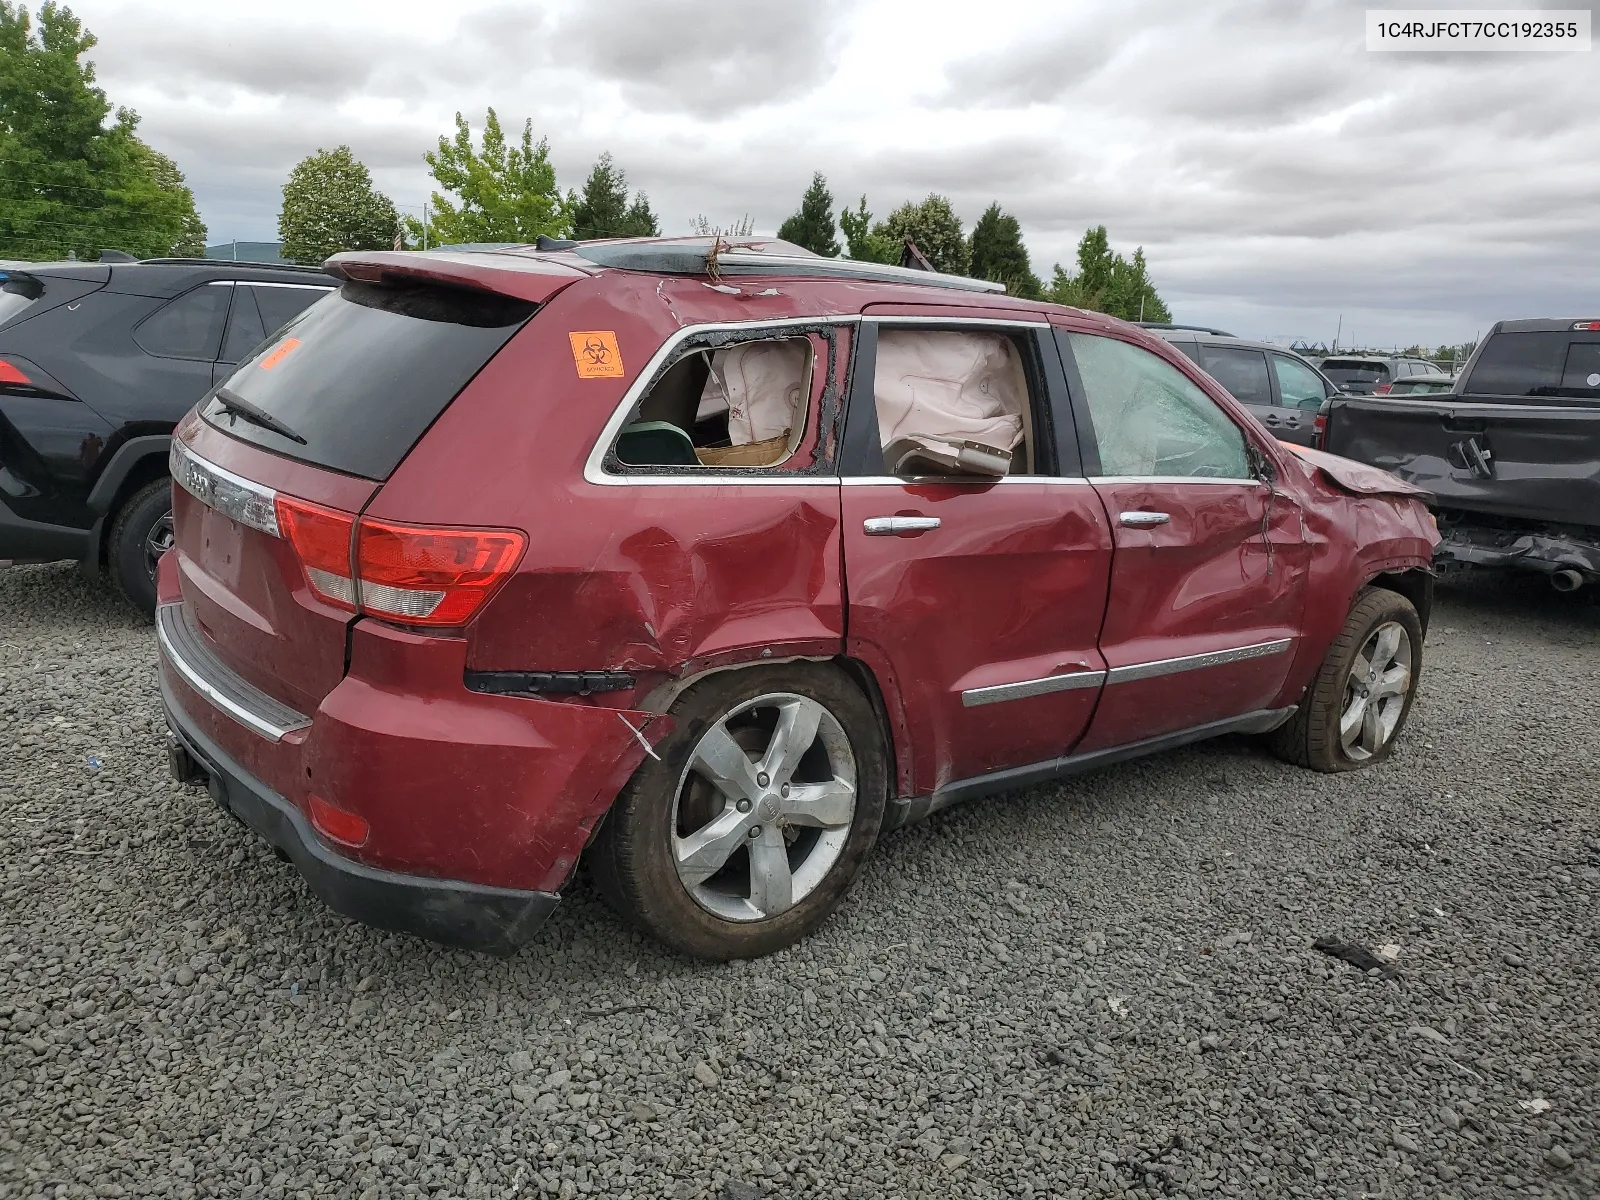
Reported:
(726, 404)
(947, 400)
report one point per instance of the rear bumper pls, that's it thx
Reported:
(496, 920)
(1547, 553)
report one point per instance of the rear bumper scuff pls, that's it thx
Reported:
(472, 916)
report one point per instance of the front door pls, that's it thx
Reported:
(976, 601)
(1208, 578)
(1300, 396)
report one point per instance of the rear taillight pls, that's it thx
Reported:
(1319, 430)
(425, 576)
(1382, 389)
(412, 574)
(321, 537)
(11, 373)
(1589, 325)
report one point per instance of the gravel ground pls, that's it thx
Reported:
(1103, 987)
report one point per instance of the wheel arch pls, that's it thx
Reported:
(136, 464)
(1416, 585)
(661, 698)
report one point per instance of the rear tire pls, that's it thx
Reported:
(1354, 710)
(754, 862)
(141, 532)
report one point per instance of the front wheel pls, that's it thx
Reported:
(1358, 703)
(747, 831)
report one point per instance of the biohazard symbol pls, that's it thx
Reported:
(596, 355)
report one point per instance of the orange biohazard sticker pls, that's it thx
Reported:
(284, 349)
(596, 354)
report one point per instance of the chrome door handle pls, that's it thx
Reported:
(889, 526)
(1143, 520)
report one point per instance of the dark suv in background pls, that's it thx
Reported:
(1372, 375)
(98, 361)
(1282, 390)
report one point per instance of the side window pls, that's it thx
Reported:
(751, 404)
(1242, 372)
(1190, 350)
(280, 305)
(189, 326)
(1298, 384)
(245, 331)
(952, 402)
(1151, 420)
(1582, 376)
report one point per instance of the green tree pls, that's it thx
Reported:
(603, 209)
(934, 227)
(76, 178)
(329, 205)
(999, 255)
(862, 244)
(813, 227)
(639, 221)
(191, 240)
(701, 226)
(504, 193)
(1106, 282)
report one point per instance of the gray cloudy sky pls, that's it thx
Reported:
(1276, 173)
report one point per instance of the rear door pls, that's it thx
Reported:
(260, 309)
(350, 386)
(1243, 371)
(1208, 578)
(977, 601)
(180, 340)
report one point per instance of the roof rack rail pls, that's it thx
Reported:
(1192, 328)
(254, 264)
(751, 256)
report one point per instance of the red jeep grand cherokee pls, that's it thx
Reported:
(718, 560)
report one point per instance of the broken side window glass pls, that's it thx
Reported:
(745, 405)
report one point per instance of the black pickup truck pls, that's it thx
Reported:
(1511, 455)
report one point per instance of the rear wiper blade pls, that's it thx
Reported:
(238, 405)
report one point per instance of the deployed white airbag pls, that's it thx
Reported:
(950, 386)
(760, 385)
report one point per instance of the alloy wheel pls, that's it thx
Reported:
(764, 807)
(1375, 692)
(157, 542)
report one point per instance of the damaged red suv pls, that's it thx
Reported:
(713, 562)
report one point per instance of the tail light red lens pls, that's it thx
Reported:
(1382, 389)
(11, 373)
(412, 574)
(338, 824)
(425, 576)
(321, 537)
(1319, 430)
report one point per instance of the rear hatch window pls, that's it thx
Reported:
(1535, 365)
(1345, 371)
(357, 378)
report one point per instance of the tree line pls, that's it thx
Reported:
(76, 179)
(500, 191)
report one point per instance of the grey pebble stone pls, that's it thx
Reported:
(949, 1031)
